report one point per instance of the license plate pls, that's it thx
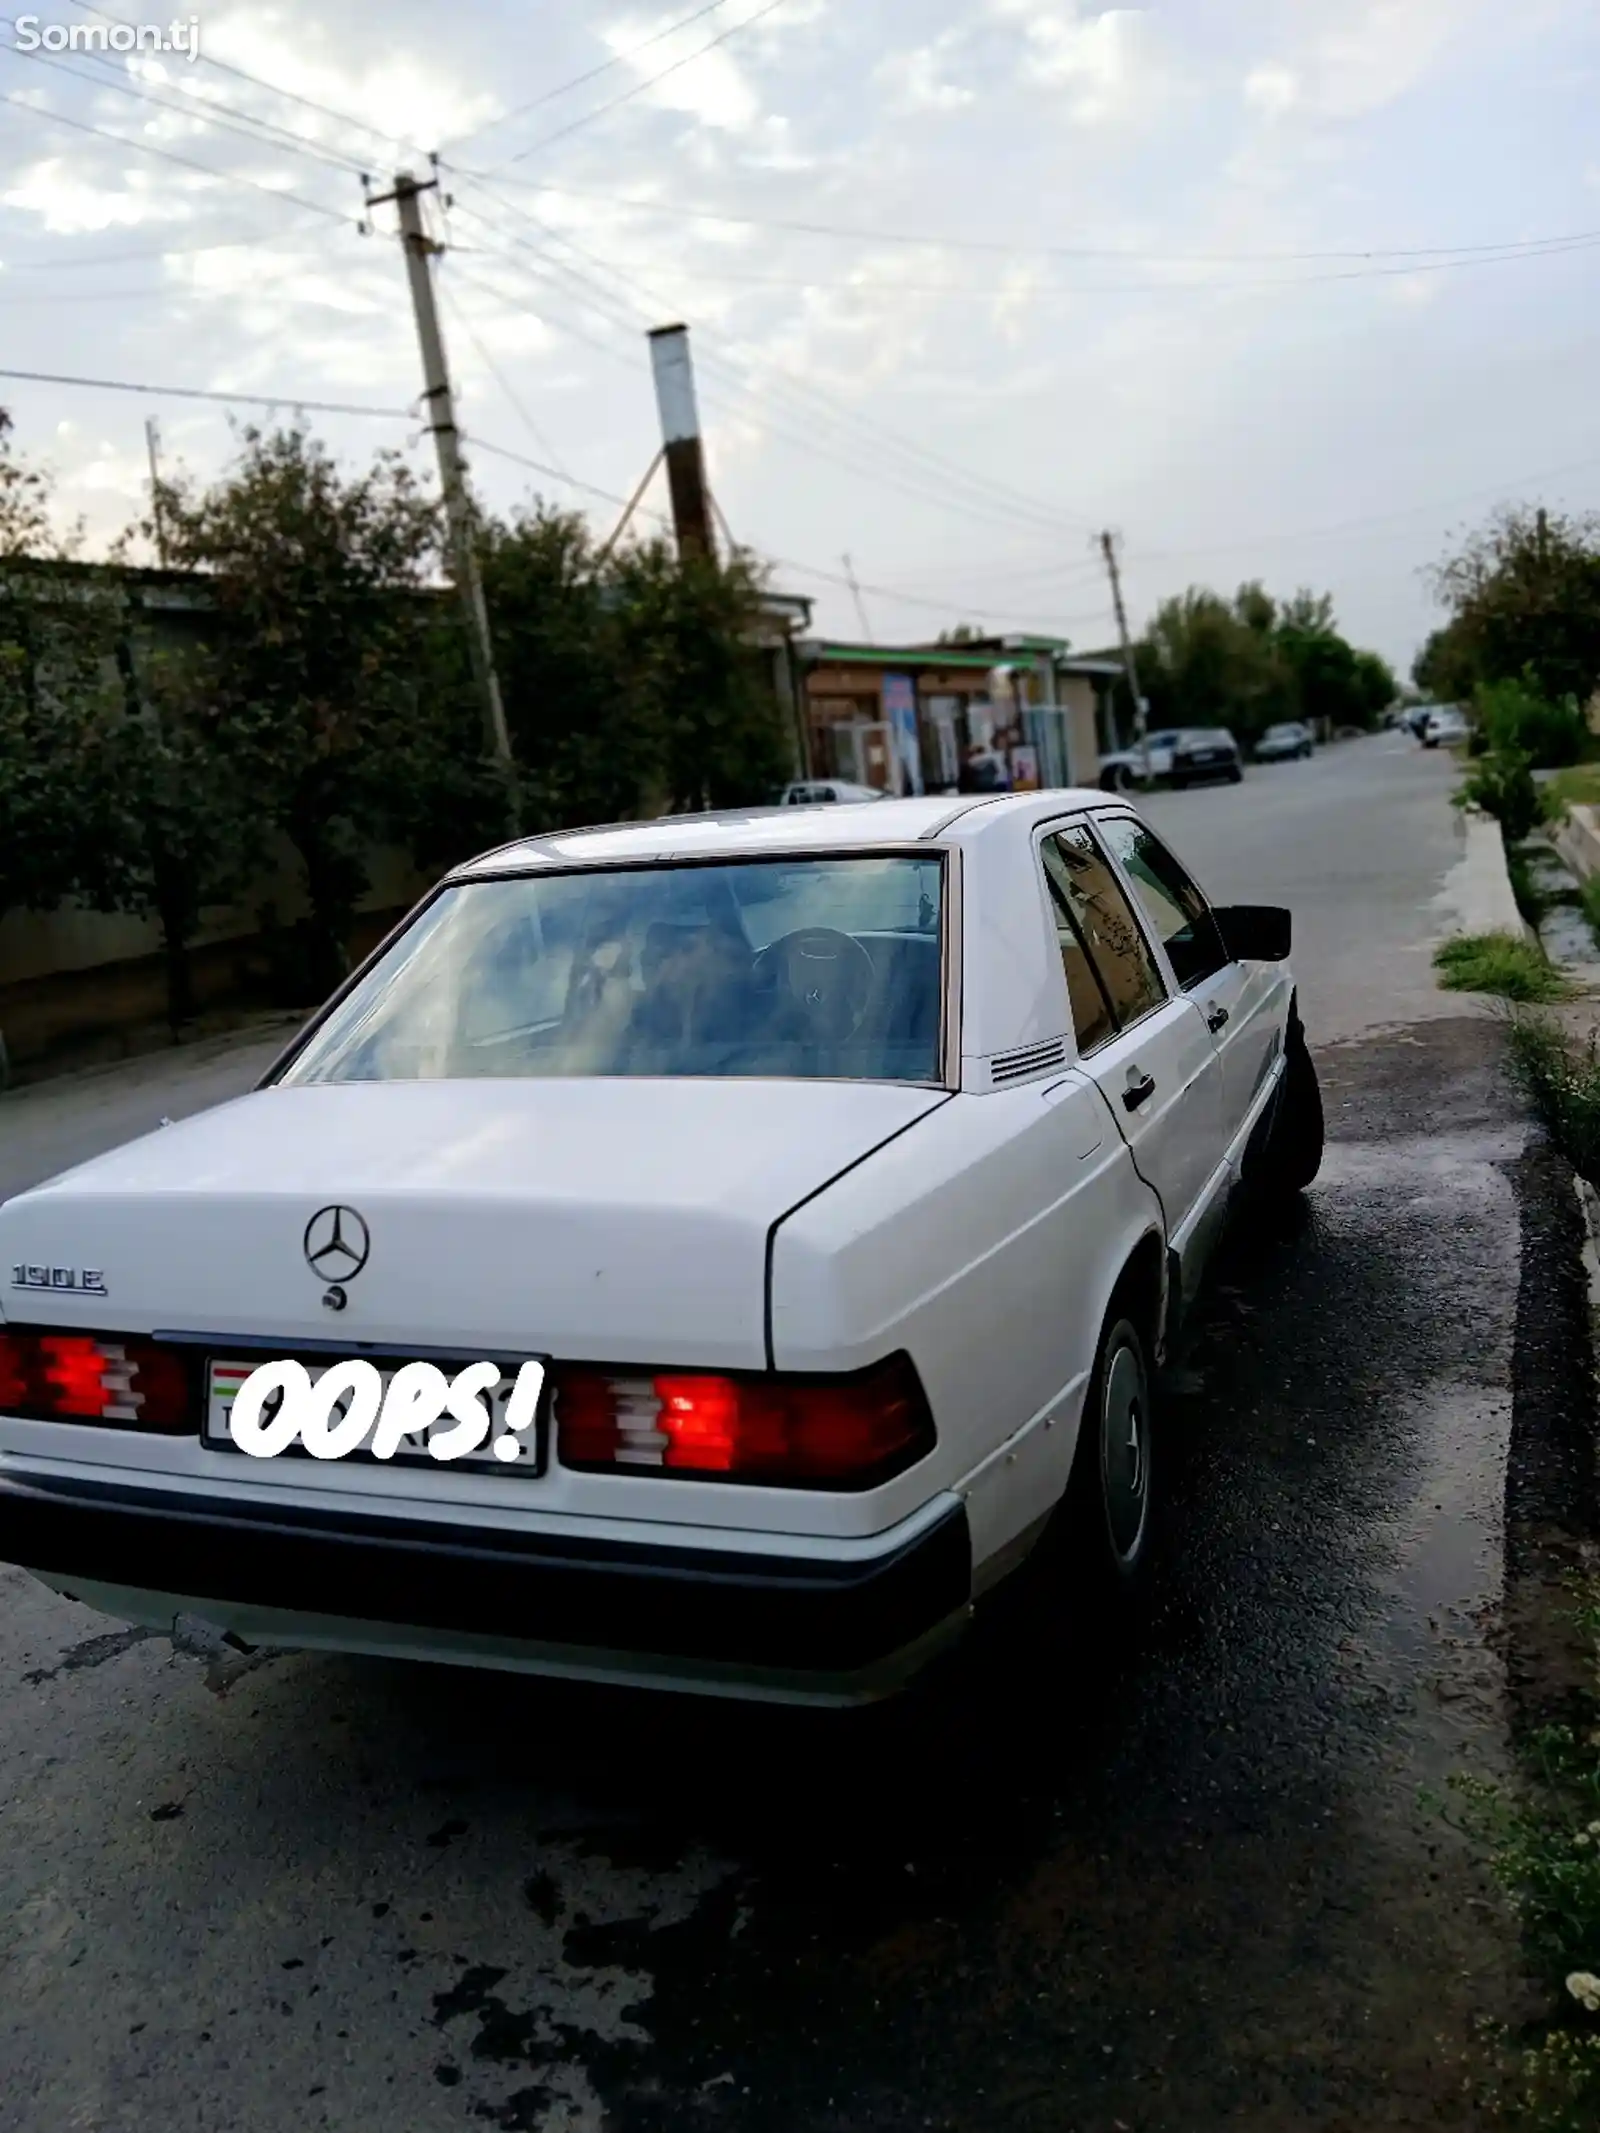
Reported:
(224, 1376)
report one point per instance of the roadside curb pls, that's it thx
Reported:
(1479, 885)
(36, 1084)
(1578, 840)
(1589, 1209)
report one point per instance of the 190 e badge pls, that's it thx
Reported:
(79, 1281)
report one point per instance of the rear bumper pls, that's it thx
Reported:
(679, 1611)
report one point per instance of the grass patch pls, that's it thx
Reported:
(1543, 1840)
(1563, 1079)
(1499, 963)
(1578, 787)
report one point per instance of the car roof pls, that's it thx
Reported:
(752, 832)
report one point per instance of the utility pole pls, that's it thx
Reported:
(1108, 548)
(673, 368)
(419, 252)
(152, 439)
(855, 594)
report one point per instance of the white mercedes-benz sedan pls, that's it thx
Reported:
(846, 1170)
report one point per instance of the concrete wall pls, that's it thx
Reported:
(1077, 696)
(72, 976)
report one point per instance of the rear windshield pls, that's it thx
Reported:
(811, 968)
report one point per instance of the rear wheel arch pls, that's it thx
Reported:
(1142, 1290)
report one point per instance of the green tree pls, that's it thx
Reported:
(1256, 608)
(1446, 668)
(1523, 596)
(688, 633)
(319, 581)
(1376, 687)
(187, 826)
(580, 732)
(1201, 664)
(1308, 612)
(56, 693)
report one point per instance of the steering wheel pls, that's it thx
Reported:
(827, 974)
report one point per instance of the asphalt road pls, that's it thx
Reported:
(1182, 1883)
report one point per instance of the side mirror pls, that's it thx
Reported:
(1255, 933)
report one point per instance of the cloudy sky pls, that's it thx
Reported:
(1276, 288)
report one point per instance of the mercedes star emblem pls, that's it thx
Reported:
(337, 1244)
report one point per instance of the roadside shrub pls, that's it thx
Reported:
(1502, 785)
(1543, 1841)
(1563, 1080)
(1519, 720)
(1500, 963)
(1532, 901)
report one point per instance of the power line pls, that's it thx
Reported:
(123, 259)
(923, 485)
(565, 88)
(861, 287)
(168, 155)
(809, 570)
(538, 466)
(256, 81)
(995, 246)
(1363, 525)
(984, 493)
(650, 81)
(260, 132)
(196, 392)
(504, 383)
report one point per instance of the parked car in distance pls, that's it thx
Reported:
(1203, 753)
(822, 792)
(1287, 743)
(839, 1186)
(1416, 719)
(1445, 726)
(1122, 770)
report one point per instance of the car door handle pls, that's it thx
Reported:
(1139, 1091)
(1219, 1020)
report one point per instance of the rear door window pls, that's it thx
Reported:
(1086, 891)
(1171, 900)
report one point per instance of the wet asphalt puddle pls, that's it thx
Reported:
(1188, 1879)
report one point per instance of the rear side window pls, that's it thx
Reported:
(1172, 902)
(1100, 920)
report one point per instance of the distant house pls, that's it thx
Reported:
(902, 717)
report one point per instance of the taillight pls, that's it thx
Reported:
(79, 1377)
(818, 1433)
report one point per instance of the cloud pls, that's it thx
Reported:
(1367, 54)
(406, 97)
(919, 80)
(1272, 88)
(691, 73)
(1107, 61)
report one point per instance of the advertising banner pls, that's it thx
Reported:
(900, 709)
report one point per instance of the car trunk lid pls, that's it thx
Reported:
(602, 1221)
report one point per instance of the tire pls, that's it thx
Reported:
(1291, 1156)
(1235, 777)
(1109, 1513)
